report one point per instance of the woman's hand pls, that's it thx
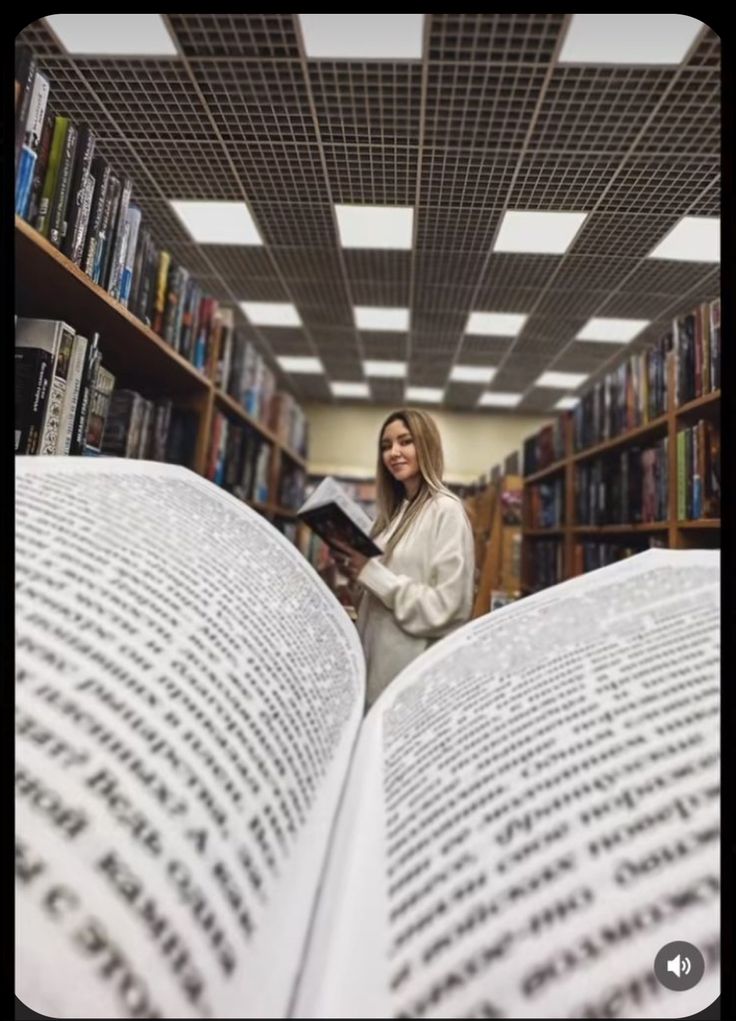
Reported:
(348, 560)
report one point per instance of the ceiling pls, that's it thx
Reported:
(485, 122)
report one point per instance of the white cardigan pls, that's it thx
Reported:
(424, 593)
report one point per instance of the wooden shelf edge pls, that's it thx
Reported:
(32, 236)
(623, 440)
(700, 523)
(553, 533)
(704, 401)
(272, 438)
(551, 469)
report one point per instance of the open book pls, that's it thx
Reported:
(208, 827)
(332, 514)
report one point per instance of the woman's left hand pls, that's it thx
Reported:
(349, 560)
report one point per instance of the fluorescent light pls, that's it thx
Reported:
(561, 380)
(545, 233)
(426, 394)
(271, 313)
(130, 35)
(375, 226)
(628, 38)
(614, 331)
(496, 324)
(374, 317)
(349, 389)
(389, 370)
(499, 400)
(360, 36)
(471, 374)
(292, 363)
(217, 223)
(565, 403)
(693, 239)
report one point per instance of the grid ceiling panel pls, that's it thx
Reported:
(372, 175)
(309, 388)
(263, 102)
(541, 400)
(39, 38)
(481, 105)
(333, 314)
(495, 38)
(387, 391)
(243, 117)
(660, 185)
(463, 395)
(691, 122)
(251, 36)
(707, 52)
(344, 367)
(151, 100)
(598, 109)
(375, 104)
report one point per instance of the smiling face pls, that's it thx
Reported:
(400, 456)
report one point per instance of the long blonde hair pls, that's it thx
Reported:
(390, 493)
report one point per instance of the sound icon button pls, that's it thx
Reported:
(679, 966)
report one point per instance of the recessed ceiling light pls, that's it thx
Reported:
(471, 374)
(628, 38)
(499, 400)
(217, 223)
(538, 232)
(375, 226)
(130, 35)
(271, 313)
(374, 317)
(693, 239)
(349, 389)
(496, 324)
(561, 380)
(425, 394)
(361, 36)
(613, 331)
(565, 403)
(294, 363)
(390, 370)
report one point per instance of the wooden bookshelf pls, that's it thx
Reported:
(50, 286)
(675, 533)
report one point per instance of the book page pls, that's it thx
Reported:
(532, 812)
(329, 491)
(188, 695)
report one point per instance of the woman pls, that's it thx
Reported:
(421, 588)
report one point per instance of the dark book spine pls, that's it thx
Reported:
(25, 70)
(58, 222)
(33, 370)
(101, 172)
(91, 362)
(80, 228)
(104, 243)
(140, 256)
(122, 229)
(39, 171)
(77, 188)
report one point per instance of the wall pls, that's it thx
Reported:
(343, 439)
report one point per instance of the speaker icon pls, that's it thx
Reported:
(679, 966)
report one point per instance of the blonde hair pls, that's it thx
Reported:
(390, 493)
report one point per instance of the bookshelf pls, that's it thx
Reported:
(670, 531)
(49, 285)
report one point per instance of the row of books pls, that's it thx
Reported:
(546, 506)
(544, 448)
(152, 430)
(62, 390)
(699, 472)
(589, 556)
(546, 563)
(291, 488)
(243, 374)
(626, 487)
(635, 393)
(74, 197)
(239, 460)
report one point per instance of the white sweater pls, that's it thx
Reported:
(424, 593)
